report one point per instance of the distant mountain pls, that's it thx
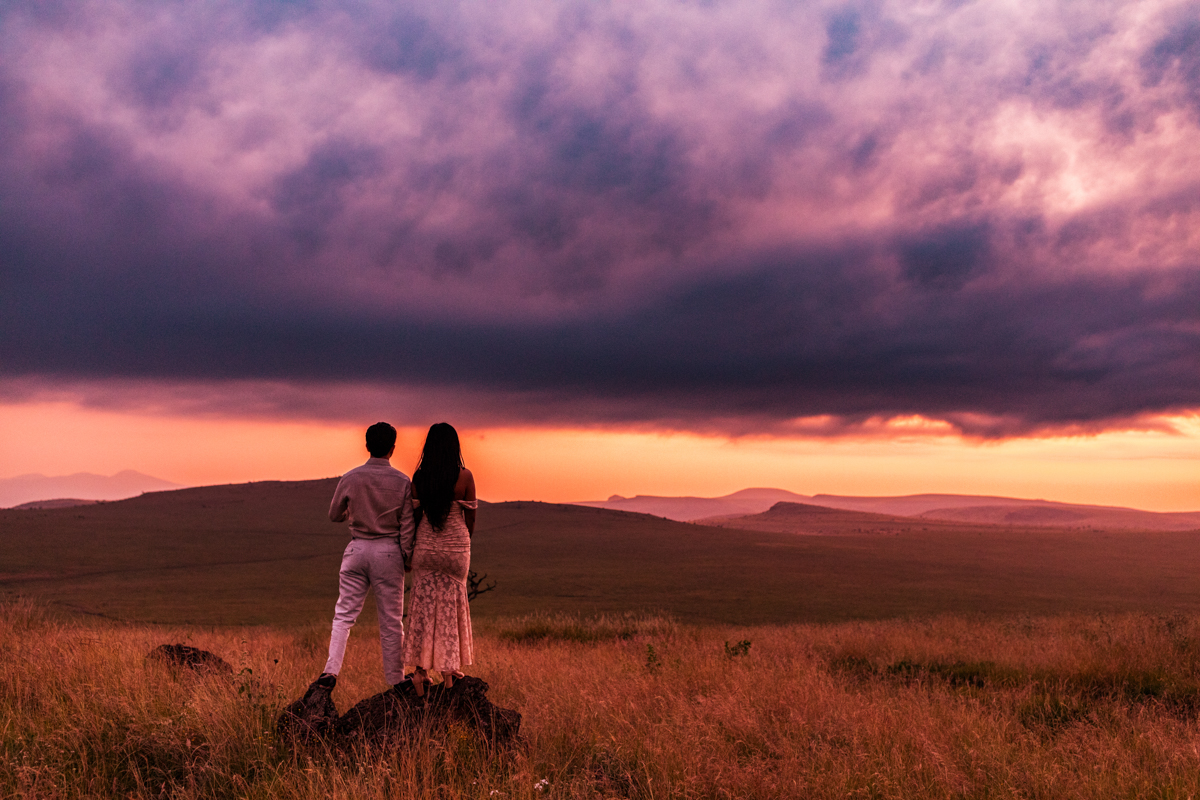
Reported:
(81, 486)
(819, 519)
(975, 509)
(808, 519)
(686, 509)
(914, 504)
(984, 509)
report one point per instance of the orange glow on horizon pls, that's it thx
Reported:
(1153, 469)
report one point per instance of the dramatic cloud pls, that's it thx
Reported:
(710, 215)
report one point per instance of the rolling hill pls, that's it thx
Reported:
(61, 502)
(1013, 511)
(1059, 515)
(687, 509)
(812, 520)
(264, 553)
(983, 509)
(808, 518)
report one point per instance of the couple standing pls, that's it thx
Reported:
(422, 526)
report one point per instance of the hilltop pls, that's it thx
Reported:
(265, 553)
(813, 520)
(807, 518)
(688, 509)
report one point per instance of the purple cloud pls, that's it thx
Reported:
(703, 216)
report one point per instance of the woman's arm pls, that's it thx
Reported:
(465, 490)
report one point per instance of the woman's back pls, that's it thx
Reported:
(455, 535)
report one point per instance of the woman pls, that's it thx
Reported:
(439, 622)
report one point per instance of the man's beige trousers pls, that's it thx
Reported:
(371, 563)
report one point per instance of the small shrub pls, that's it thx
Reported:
(742, 648)
(1051, 710)
(653, 663)
(956, 673)
(852, 665)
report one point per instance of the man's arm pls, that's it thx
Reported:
(339, 509)
(408, 527)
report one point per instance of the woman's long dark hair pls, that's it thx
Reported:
(437, 473)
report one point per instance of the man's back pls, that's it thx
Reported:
(376, 498)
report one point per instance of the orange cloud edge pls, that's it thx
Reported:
(1149, 462)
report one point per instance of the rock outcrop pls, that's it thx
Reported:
(310, 719)
(391, 718)
(182, 655)
(377, 719)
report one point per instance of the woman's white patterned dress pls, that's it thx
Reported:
(439, 619)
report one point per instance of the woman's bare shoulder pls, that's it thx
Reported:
(464, 488)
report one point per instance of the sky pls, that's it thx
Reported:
(646, 247)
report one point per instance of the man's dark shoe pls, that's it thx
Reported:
(326, 681)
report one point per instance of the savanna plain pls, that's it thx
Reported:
(973, 662)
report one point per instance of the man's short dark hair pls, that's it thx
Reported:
(381, 438)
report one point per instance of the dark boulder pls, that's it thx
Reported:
(182, 655)
(378, 719)
(311, 718)
(389, 719)
(382, 719)
(467, 702)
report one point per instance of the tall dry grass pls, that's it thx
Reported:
(1096, 707)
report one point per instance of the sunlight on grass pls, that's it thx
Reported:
(628, 706)
(573, 628)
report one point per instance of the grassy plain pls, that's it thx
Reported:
(629, 707)
(650, 659)
(265, 554)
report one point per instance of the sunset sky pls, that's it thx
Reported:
(625, 247)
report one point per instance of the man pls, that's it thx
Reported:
(377, 499)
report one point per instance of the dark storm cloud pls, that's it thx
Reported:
(666, 214)
(310, 198)
(406, 44)
(1175, 58)
(945, 258)
(161, 74)
(853, 35)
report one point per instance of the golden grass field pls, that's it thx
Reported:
(629, 707)
(889, 658)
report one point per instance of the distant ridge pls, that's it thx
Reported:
(58, 502)
(686, 509)
(1063, 515)
(912, 505)
(983, 509)
(961, 508)
(813, 520)
(81, 486)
